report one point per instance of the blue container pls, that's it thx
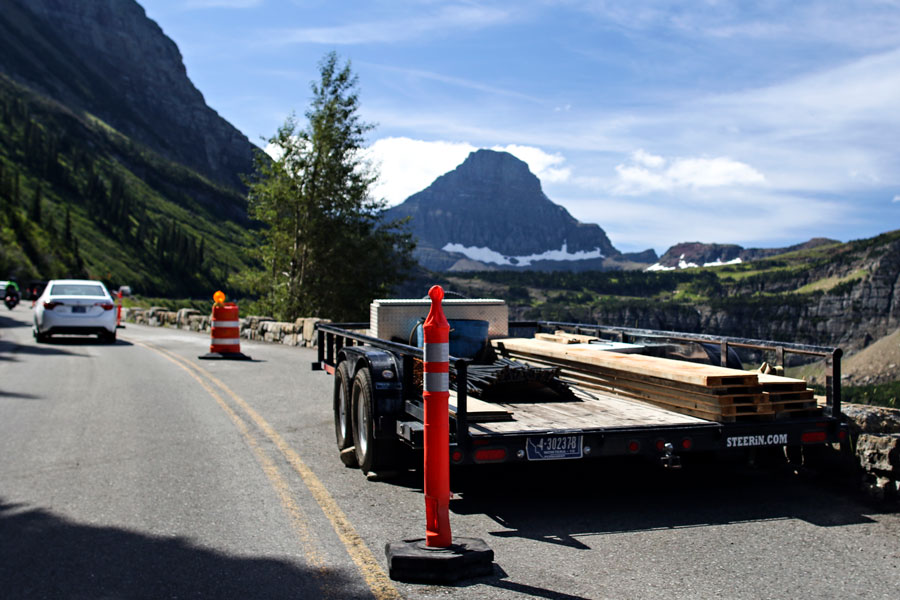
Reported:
(467, 337)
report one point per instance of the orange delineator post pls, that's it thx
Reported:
(436, 396)
(119, 310)
(225, 328)
(439, 558)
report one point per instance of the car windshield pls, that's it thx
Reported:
(76, 289)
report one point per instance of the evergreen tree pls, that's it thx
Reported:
(67, 232)
(36, 205)
(326, 249)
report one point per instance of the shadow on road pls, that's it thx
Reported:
(563, 503)
(8, 350)
(43, 555)
(81, 340)
(7, 322)
(19, 396)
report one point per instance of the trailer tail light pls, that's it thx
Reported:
(660, 445)
(687, 444)
(105, 305)
(490, 454)
(51, 305)
(634, 446)
(813, 437)
(456, 456)
(842, 435)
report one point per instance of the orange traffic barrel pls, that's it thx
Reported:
(226, 333)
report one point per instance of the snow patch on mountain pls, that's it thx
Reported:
(486, 255)
(683, 264)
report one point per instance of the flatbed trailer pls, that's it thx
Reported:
(379, 411)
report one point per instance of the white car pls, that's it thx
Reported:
(78, 306)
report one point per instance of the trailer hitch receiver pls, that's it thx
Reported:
(669, 459)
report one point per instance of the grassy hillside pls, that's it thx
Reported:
(81, 199)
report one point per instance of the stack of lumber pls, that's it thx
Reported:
(704, 391)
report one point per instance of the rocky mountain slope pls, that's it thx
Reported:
(111, 165)
(490, 212)
(108, 59)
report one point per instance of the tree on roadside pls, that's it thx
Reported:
(325, 248)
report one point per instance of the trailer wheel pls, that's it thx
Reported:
(372, 454)
(343, 418)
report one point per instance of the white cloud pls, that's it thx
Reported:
(395, 30)
(408, 166)
(647, 159)
(682, 173)
(897, 198)
(455, 81)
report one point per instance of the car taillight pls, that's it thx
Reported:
(105, 305)
(51, 305)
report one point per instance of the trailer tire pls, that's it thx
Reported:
(343, 415)
(372, 454)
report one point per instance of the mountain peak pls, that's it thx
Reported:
(491, 208)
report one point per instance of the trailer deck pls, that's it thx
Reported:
(592, 410)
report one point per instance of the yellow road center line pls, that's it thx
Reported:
(368, 565)
(295, 513)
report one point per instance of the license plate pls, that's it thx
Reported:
(556, 447)
(78, 309)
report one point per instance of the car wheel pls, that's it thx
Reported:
(343, 417)
(108, 337)
(372, 454)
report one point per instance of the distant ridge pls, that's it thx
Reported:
(697, 254)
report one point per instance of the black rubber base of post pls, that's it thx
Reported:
(225, 356)
(413, 561)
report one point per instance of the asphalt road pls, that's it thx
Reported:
(135, 470)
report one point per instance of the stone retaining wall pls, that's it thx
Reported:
(263, 329)
(875, 433)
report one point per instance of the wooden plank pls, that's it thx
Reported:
(776, 383)
(675, 370)
(789, 396)
(480, 411)
(556, 339)
(580, 338)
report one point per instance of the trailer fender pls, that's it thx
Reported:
(387, 384)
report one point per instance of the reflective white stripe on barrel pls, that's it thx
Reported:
(226, 341)
(437, 382)
(437, 353)
(226, 324)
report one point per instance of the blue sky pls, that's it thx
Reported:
(757, 123)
